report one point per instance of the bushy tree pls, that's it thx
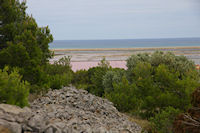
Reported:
(59, 73)
(133, 60)
(23, 44)
(104, 63)
(81, 79)
(112, 76)
(159, 81)
(95, 75)
(96, 78)
(176, 63)
(163, 121)
(12, 89)
(123, 96)
(188, 122)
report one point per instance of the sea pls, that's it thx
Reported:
(124, 43)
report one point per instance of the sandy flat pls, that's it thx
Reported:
(86, 58)
(85, 65)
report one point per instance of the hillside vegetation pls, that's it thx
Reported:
(155, 87)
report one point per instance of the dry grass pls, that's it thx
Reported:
(32, 97)
(4, 130)
(145, 124)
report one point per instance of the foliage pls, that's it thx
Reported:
(155, 82)
(163, 121)
(23, 44)
(81, 79)
(162, 80)
(112, 76)
(103, 63)
(189, 122)
(92, 79)
(12, 89)
(175, 63)
(123, 96)
(58, 81)
(96, 77)
(133, 60)
(59, 73)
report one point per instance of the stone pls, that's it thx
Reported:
(67, 110)
(49, 130)
(7, 117)
(12, 126)
(52, 129)
(12, 109)
(36, 122)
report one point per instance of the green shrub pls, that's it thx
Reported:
(12, 89)
(161, 80)
(104, 63)
(59, 80)
(175, 63)
(22, 43)
(112, 76)
(96, 78)
(59, 73)
(81, 79)
(123, 96)
(163, 121)
(59, 67)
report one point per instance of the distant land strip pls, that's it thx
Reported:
(129, 49)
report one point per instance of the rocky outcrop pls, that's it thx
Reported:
(66, 111)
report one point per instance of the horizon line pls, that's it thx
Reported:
(127, 39)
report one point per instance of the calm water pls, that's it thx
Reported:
(125, 43)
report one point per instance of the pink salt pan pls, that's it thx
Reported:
(88, 64)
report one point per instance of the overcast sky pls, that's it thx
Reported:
(117, 19)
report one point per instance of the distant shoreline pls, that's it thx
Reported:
(128, 49)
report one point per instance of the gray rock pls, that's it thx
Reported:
(67, 111)
(12, 126)
(12, 109)
(37, 122)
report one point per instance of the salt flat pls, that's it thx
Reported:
(86, 58)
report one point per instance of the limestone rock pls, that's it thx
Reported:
(67, 111)
(12, 109)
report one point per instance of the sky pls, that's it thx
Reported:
(117, 19)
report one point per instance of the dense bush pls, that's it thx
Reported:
(163, 121)
(114, 75)
(22, 43)
(12, 89)
(189, 122)
(156, 86)
(175, 63)
(92, 79)
(96, 78)
(59, 73)
(123, 96)
(81, 79)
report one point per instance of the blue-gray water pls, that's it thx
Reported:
(124, 43)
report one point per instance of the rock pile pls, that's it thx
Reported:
(67, 111)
